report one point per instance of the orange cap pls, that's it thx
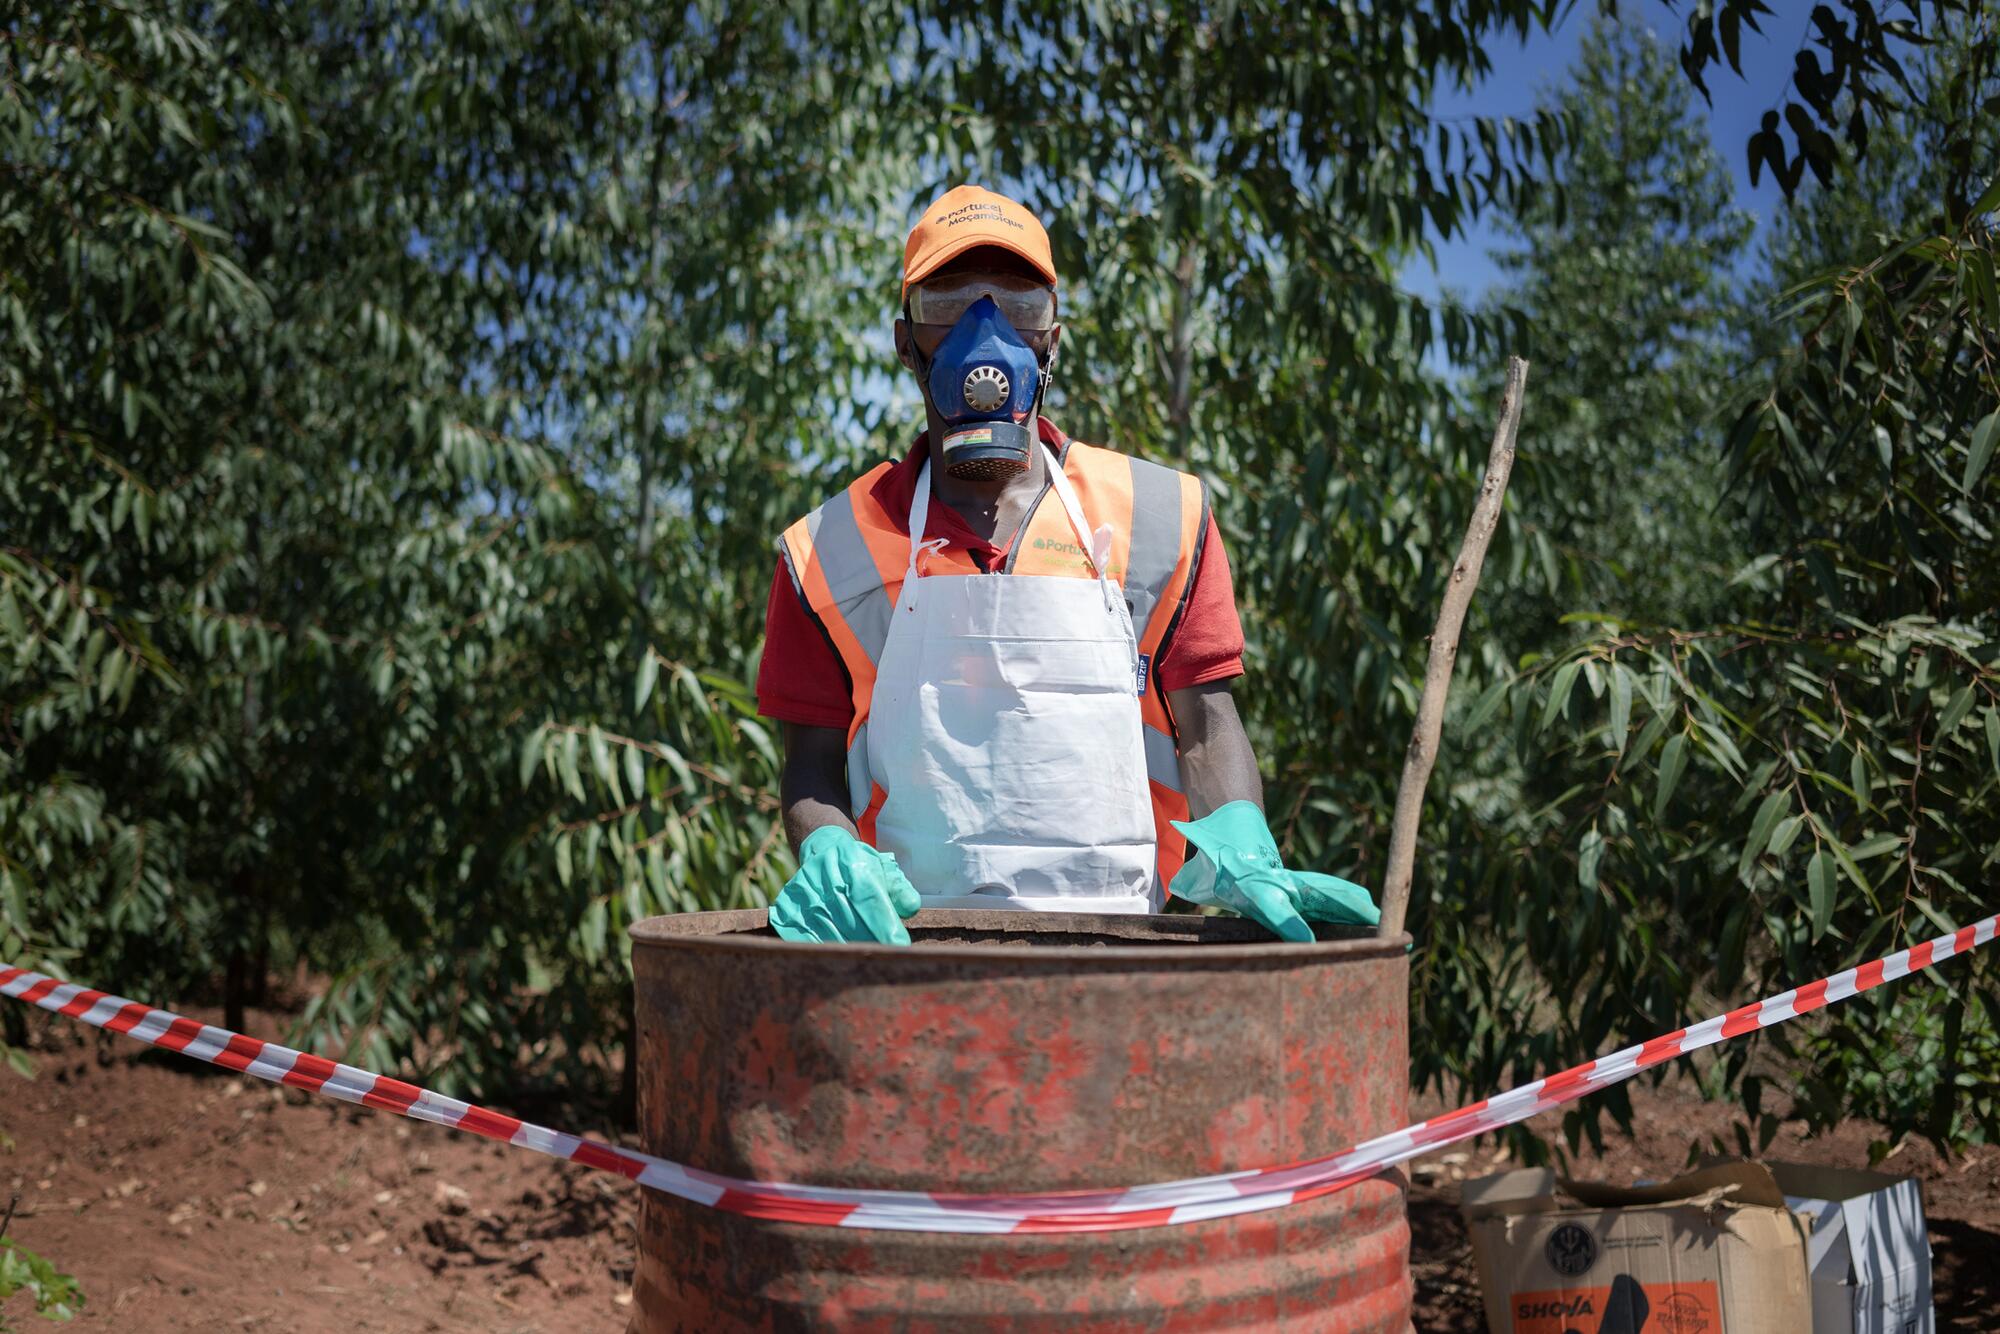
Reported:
(968, 216)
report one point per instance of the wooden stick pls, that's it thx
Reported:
(1444, 653)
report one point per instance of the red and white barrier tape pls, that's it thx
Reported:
(913, 1211)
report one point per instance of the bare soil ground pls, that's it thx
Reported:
(184, 1198)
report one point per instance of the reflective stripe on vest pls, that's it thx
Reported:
(1163, 760)
(1157, 547)
(847, 558)
(852, 581)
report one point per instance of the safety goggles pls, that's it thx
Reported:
(1029, 306)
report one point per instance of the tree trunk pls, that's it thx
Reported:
(1422, 753)
(644, 401)
(1180, 357)
(250, 921)
(645, 407)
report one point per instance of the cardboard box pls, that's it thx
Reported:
(1869, 1255)
(1713, 1252)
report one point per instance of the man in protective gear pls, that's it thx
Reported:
(1004, 662)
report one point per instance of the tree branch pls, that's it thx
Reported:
(1422, 753)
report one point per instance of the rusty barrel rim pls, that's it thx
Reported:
(1154, 938)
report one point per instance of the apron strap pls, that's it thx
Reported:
(920, 513)
(1098, 553)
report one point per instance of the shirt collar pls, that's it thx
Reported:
(896, 489)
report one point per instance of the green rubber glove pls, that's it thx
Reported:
(1236, 864)
(844, 890)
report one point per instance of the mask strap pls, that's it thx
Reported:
(916, 353)
(1045, 370)
(1096, 546)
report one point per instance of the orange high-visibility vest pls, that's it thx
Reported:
(847, 559)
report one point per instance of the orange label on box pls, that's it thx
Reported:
(1628, 1307)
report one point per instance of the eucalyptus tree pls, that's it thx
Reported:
(1625, 287)
(1621, 284)
(1807, 777)
(274, 540)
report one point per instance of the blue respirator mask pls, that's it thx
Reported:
(986, 383)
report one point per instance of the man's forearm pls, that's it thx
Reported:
(807, 811)
(1218, 765)
(813, 786)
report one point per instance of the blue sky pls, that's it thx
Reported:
(1522, 72)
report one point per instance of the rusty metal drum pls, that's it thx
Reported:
(1008, 1052)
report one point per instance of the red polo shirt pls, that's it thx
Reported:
(800, 679)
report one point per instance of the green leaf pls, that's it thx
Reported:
(1983, 438)
(1989, 202)
(1752, 569)
(1824, 574)
(1673, 760)
(1547, 552)
(1488, 704)
(600, 760)
(531, 755)
(13, 901)
(564, 866)
(566, 755)
(593, 930)
(1590, 852)
(1729, 960)
(1769, 812)
(649, 673)
(1845, 860)
(683, 776)
(1944, 925)
(1621, 704)
(1819, 885)
(635, 773)
(1648, 735)
(1955, 711)
(1875, 847)
(1783, 836)
(1993, 738)
(107, 681)
(1559, 693)
(1724, 749)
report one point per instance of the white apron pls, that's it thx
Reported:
(1005, 729)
